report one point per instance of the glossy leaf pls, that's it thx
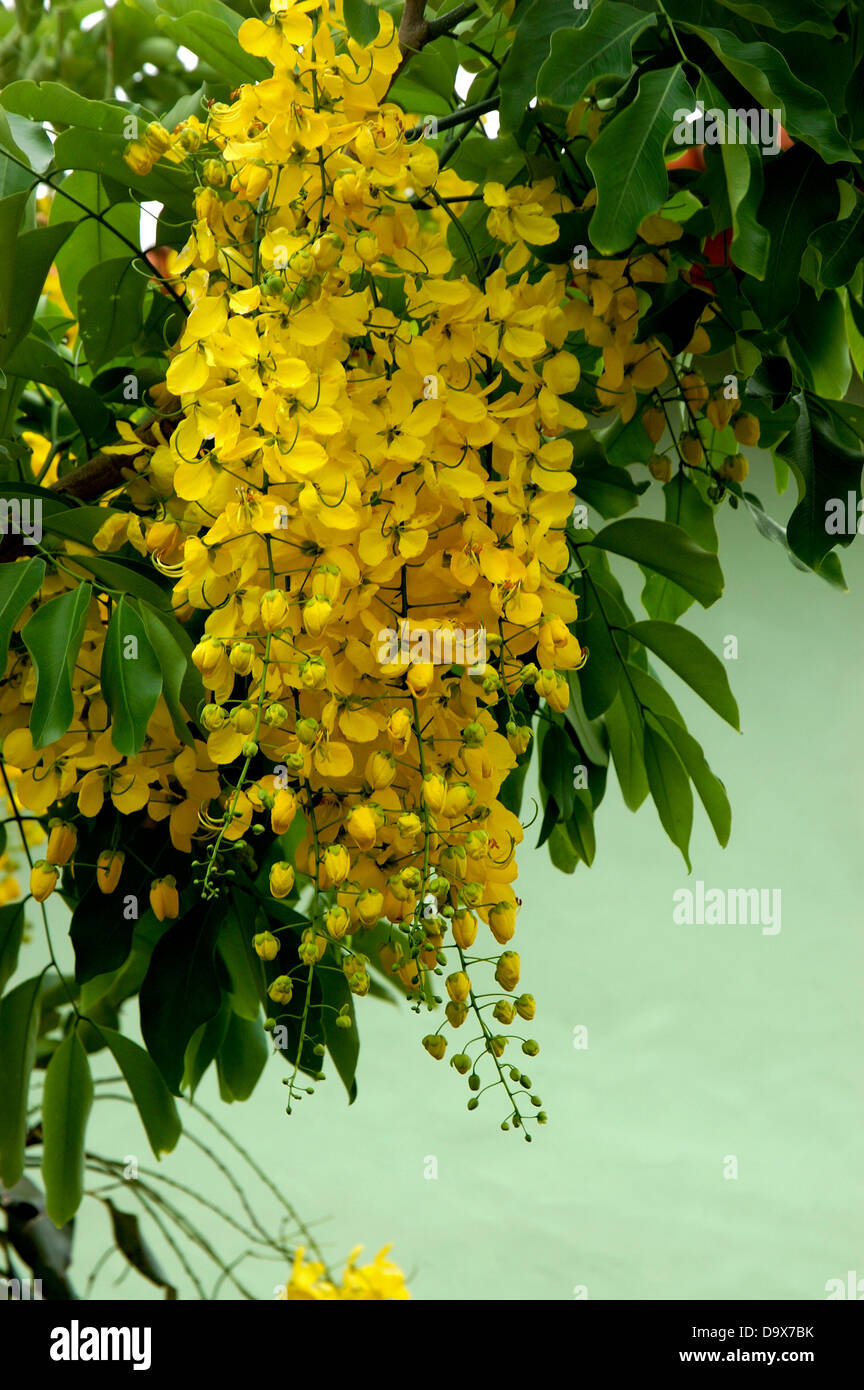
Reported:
(627, 159)
(602, 47)
(180, 992)
(131, 677)
(361, 21)
(668, 550)
(53, 638)
(19, 583)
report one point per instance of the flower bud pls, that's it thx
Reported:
(419, 677)
(281, 879)
(525, 1006)
(747, 430)
(43, 879)
(214, 717)
(275, 715)
(433, 791)
(660, 467)
(380, 769)
(338, 922)
(504, 1011)
(464, 926)
(266, 945)
(502, 921)
(462, 1062)
(370, 905)
(306, 730)
(399, 728)
(274, 610)
(458, 986)
(164, 898)
(317, 612)
(362, 826)
(336, 863)
(313, 673)
(241, 657)
(244, 719)
(654, 423)
(435, 1045)
(109, 867)
(62, 839)
(507, 970)
(283, 811)
(530, 1047)
(456, 1012)
(281, 990)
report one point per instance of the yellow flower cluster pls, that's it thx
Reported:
(362, 481)
(380, 1280)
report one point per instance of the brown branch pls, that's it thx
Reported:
(415, 30)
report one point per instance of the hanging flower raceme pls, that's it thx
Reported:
(362, 498)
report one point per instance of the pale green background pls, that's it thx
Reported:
(703, 1041)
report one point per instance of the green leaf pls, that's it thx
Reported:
(343, 1044)
(19, 583)
(244, 967)
(53, 638)
(131, 1244)
(361, 21)
(91, 243)
(669, 786)
(180, 991)
(790, 14)
(241, 1058)
(668, 550)
(210, 31)
(580, 827)
(709, 788)
(20, 1011)
(826, 459)
(625, 745)
(131, 678)
(126, 577)
(204, 1046)
(765, 74)
(12, 209)
(557, 757)
(685, 507)
(689, 658)
(12, 923)
(29, 262)
(841, 247)
(627, 159)
(800, 196)
(519, 71)
(182, 688)
(817, 344)
(602, 47)
(110, 308)
(66, 1100)
(153, 1100)
(36, 360)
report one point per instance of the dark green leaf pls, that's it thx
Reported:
(131, 678)
(669, 786)
(53, 638)
(19, 583)
(180, 992)
(242, 1058)
(602, 47)
(110, 306)
(709, 788)
(12, 923)
(20, 1011)
(66, 1100)
(152, 1098)
(689, 658)
(131, 1243)
(182, 689)
(627, 158)
(343, 1044)
(669, 551)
